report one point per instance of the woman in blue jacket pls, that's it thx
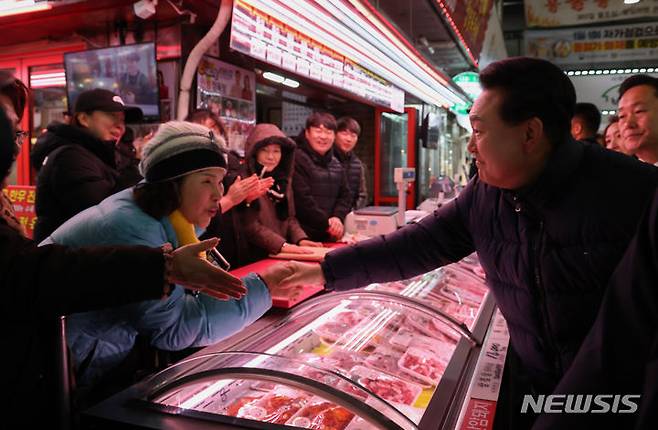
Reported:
(183, 166)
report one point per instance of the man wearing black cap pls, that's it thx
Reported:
(78, 161)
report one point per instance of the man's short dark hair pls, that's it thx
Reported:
(533, 88)
(349, 124)
(590, 115)
(316, 119)
(636, 80)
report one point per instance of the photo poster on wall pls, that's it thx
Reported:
(230, 92)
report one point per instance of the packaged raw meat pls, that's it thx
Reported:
(431, 328)
(233, 408)
(392, 287)
(386, 359)
(337, 329)
(276, 407)
(263, 386)
(425, 364)
(345, 360)
(386, 386)
(461, 293)
(323, 415)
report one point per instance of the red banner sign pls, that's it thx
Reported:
(22, 197)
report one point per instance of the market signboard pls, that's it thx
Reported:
(591, 45)
(265, 38)
(558, 13)
(22, 198)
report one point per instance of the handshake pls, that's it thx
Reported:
(195, 273)
(282, 277)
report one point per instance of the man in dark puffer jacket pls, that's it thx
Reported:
(549, 217)
(322, 197)
(78, 162)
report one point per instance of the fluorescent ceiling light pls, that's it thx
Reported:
(18, 8)
(290, 83)
(367, 42)
(631, 1)
(274, 77)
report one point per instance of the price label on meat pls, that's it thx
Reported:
(485, 386)
(489, 372)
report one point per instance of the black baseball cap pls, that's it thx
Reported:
(106, 101)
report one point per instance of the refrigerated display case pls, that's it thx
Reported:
(396, 355)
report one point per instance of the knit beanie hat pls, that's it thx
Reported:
(180, 148)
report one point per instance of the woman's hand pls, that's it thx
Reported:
(259, 191)
(294, 249)
(238, 191)
(306, 242)
(336, 228)
(196, 273)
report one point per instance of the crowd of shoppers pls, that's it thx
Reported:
(566, 264)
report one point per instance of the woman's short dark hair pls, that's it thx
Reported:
(15, 90)
(533, 87)
(316, 119)
(349, 124)
(158, 199)
(199, 116)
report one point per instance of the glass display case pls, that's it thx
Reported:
(388, 356)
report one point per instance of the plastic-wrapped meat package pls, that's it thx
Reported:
(462, 292)
(425, 364)
(339, 326)
(233, 409)
(432, 328)
(386, 386)
(276, 407)
(471, 263)
(386, 359)
(403, 338)
(322, 415)
(461, 312)
(392, 287)
(345, 360)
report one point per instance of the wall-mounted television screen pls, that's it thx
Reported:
(130, 71)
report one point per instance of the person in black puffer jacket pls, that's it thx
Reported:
(322, 197)
(347, 135)
(78, 162)
(549, 217)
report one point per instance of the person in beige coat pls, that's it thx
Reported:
(269, 222)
